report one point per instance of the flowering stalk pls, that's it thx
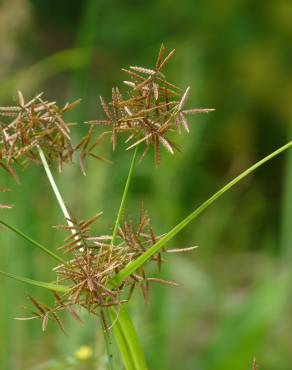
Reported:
(73, 230)
(124, 196)
(56, 190)
(124, 331)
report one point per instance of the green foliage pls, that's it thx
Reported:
(40, 284)
(33, 242)
(127, 340)
(134, 265)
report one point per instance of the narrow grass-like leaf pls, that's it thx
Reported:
(35, 243)
(122, 345)
(40, 284)
(127, 339)
(134, 265)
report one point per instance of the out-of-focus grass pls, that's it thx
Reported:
(29, 79)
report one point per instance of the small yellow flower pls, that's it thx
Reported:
(84, 353)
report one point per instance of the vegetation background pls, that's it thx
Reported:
(234, 299)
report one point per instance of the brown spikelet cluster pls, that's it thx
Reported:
(94, 261)
(29, 125)
(151, 109)
(97, 260)
(148, 112)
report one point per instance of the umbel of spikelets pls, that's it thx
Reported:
(30, 125)
(93, 262)
(150, 109)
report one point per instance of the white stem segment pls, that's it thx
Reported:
(56, 190)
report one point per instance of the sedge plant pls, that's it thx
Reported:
(99, 273)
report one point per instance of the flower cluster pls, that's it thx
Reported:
(153, 107)
(31, 125)
(94, 262)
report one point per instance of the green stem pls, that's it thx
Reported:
(124, 332)
(57, 193)
(108, 346)
(56, 190)
(124, 196)
(108, 350)
(132, 266)
(37, 244)
(286, 230)
(71, 225)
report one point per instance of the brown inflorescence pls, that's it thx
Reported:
(30, 125)
(94, 261)
(153, 107)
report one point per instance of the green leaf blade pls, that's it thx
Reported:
(127, 339)
(40, 284)
(134, 265)
(35, 243)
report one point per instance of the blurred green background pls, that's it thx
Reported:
(234, 300)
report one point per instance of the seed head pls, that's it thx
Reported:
(93, 262)
(30, 125)
(153, 108)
